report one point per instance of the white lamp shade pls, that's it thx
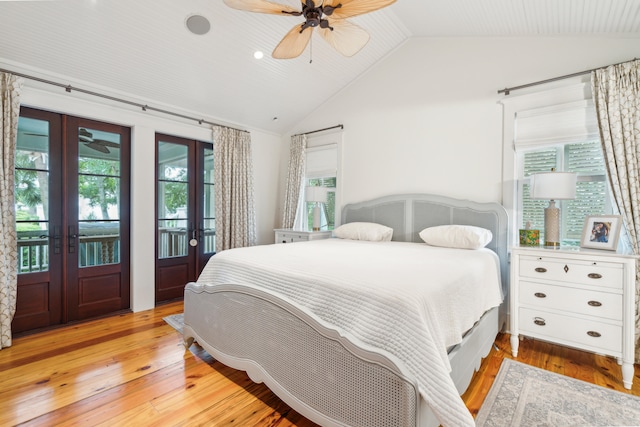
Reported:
(553, 185)
(316, 194)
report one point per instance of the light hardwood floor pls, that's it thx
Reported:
(133, 370)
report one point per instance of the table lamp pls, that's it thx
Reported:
(553, 186)
(316, 195)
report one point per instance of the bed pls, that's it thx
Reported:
(317, 334)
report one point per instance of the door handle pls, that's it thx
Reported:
(57, 239)
(194, 235)
(72, 239)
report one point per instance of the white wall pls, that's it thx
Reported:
(427, 118)
(266, 155)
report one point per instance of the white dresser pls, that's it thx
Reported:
(287, 235)
(575, 297)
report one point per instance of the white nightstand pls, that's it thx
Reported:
(287, 235)
(578, 298)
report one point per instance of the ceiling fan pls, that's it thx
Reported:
(329, 16)
(101, 145)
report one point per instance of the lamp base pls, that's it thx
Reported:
(554, 245)
(552, 225)
(316, 217)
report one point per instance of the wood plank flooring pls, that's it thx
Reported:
(132, 369)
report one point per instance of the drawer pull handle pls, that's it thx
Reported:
(594, 334)
(594, 276)
(594, 303)
(541, 270)
(540, 295)
(539, 321)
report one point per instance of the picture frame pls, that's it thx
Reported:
(601, 232)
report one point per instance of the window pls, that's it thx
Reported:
(554, 132)
(592, 195)
(322, 170)
(328, 210)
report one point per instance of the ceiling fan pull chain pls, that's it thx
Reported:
(310, 50)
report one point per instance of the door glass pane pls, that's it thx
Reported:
(209, 207)
(209, 201)
(209, 236)
(98, 197)
(173, 200)
(99, 243)
(32, 195)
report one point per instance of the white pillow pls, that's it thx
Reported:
(364, 231)
(457, 236)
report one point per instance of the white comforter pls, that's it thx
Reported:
(411, 300)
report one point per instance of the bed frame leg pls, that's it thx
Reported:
(188, 342)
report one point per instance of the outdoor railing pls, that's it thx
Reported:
(174, 242)
(94, 249)
(98, 249)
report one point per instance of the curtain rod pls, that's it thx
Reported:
(320, 130)
(509, 89)
(143, 107)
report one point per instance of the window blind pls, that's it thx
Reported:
(322, 161)
(558, 124)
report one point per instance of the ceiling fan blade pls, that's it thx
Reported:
(293, 44)
(106, 143)
(351, 8)
(97, 147)
(346, 38)
(84, 135)
(261, 6)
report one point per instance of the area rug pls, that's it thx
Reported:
(176, 321)
(522, 395)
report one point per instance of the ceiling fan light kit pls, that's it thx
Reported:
(329, 16)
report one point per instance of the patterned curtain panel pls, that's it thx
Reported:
(616, 93)
(233, 177)
(10, 87)
(295, 179)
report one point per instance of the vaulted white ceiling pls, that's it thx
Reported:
(141, 50)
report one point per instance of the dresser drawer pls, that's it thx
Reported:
(593, 303)
(573, 331)
(580, 272)
(291, 237)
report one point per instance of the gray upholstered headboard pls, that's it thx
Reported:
(408, 214)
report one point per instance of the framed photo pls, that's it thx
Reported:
(601, 232)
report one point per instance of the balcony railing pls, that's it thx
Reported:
(174, 242)
(101, 246)
(94, 249)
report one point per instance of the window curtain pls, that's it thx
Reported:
(295, 180)
(233, 177)
(616, 93)
(10, 87)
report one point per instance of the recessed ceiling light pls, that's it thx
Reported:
(258, 55)
(197, 24)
